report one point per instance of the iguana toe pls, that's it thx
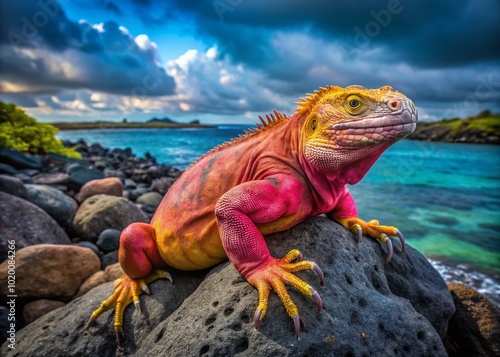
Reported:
(274, 276)
(126, 291)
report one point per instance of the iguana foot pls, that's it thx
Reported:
(274, 275)
(126, 291)
(374, 230)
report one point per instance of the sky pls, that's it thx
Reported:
(228, 61)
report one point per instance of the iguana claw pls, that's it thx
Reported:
(257, 318)
(299, 324)
(321, 276)
(390, 250)
(402, 240)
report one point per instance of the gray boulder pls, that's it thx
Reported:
(58, 205)
(361, 315)
(27, 224)
(12, 186)
(101, 212)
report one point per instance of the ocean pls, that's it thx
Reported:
(444, 197)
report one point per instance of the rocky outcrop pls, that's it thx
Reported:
(474, 329)
(15, 213)
(366, 311)
(483, 128)
(49, 271)
(101, 212)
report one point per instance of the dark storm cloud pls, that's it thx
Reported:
(74, 54)
(423, 33)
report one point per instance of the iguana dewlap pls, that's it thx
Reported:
(267, 181)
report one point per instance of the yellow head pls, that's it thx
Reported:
(343, 125)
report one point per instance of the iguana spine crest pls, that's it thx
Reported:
(272, 120)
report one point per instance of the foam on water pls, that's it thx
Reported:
(464, 274)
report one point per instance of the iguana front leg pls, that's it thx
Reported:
(345, 213)
(272, 205)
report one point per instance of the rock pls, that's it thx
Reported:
(474, 330)
(91, 246)
(361, 315)
(109, 259)
(20, 160)
(107, 186)
(130, 184)
(100, 212)
(35, 309)
(79, 175)
(96, 279)
(6, 169)
(151, 199)
(23, 177)
(50, 271)
(162, 184)
(12, 186)
(97, 150)
(111, 273)
(109, 240)
(51, 178)
(57, 204)
(27, 224)
(136, 193)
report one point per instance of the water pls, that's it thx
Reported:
(445, 198)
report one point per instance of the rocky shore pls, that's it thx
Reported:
(483, 128)
(65, 217)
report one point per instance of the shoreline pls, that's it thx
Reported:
(116, 125)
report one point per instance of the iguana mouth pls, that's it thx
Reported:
(370, 131)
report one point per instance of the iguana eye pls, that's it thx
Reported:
(354, 103)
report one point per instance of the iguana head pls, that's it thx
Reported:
(344, 125)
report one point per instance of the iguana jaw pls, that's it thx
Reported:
(370, 131)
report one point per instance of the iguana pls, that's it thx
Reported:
(268, 180)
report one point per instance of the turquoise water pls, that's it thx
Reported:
(445, 198)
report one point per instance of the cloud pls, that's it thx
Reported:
(424, 33)
(41, 51)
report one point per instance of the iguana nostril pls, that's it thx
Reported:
(394, 105)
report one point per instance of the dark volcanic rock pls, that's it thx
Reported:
(109, 240)
(109, 259)
(79, 175)
(20, 160)
(361, 316)
(14, 215)
(12, 186)
(7, 169)
(57, 204)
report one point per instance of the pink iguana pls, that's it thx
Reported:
(266, 181)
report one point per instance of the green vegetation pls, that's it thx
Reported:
(484, 127)
(22, 132)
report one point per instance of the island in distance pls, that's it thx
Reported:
(483, 128)
(153, 123)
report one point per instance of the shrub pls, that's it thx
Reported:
(21, 132)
